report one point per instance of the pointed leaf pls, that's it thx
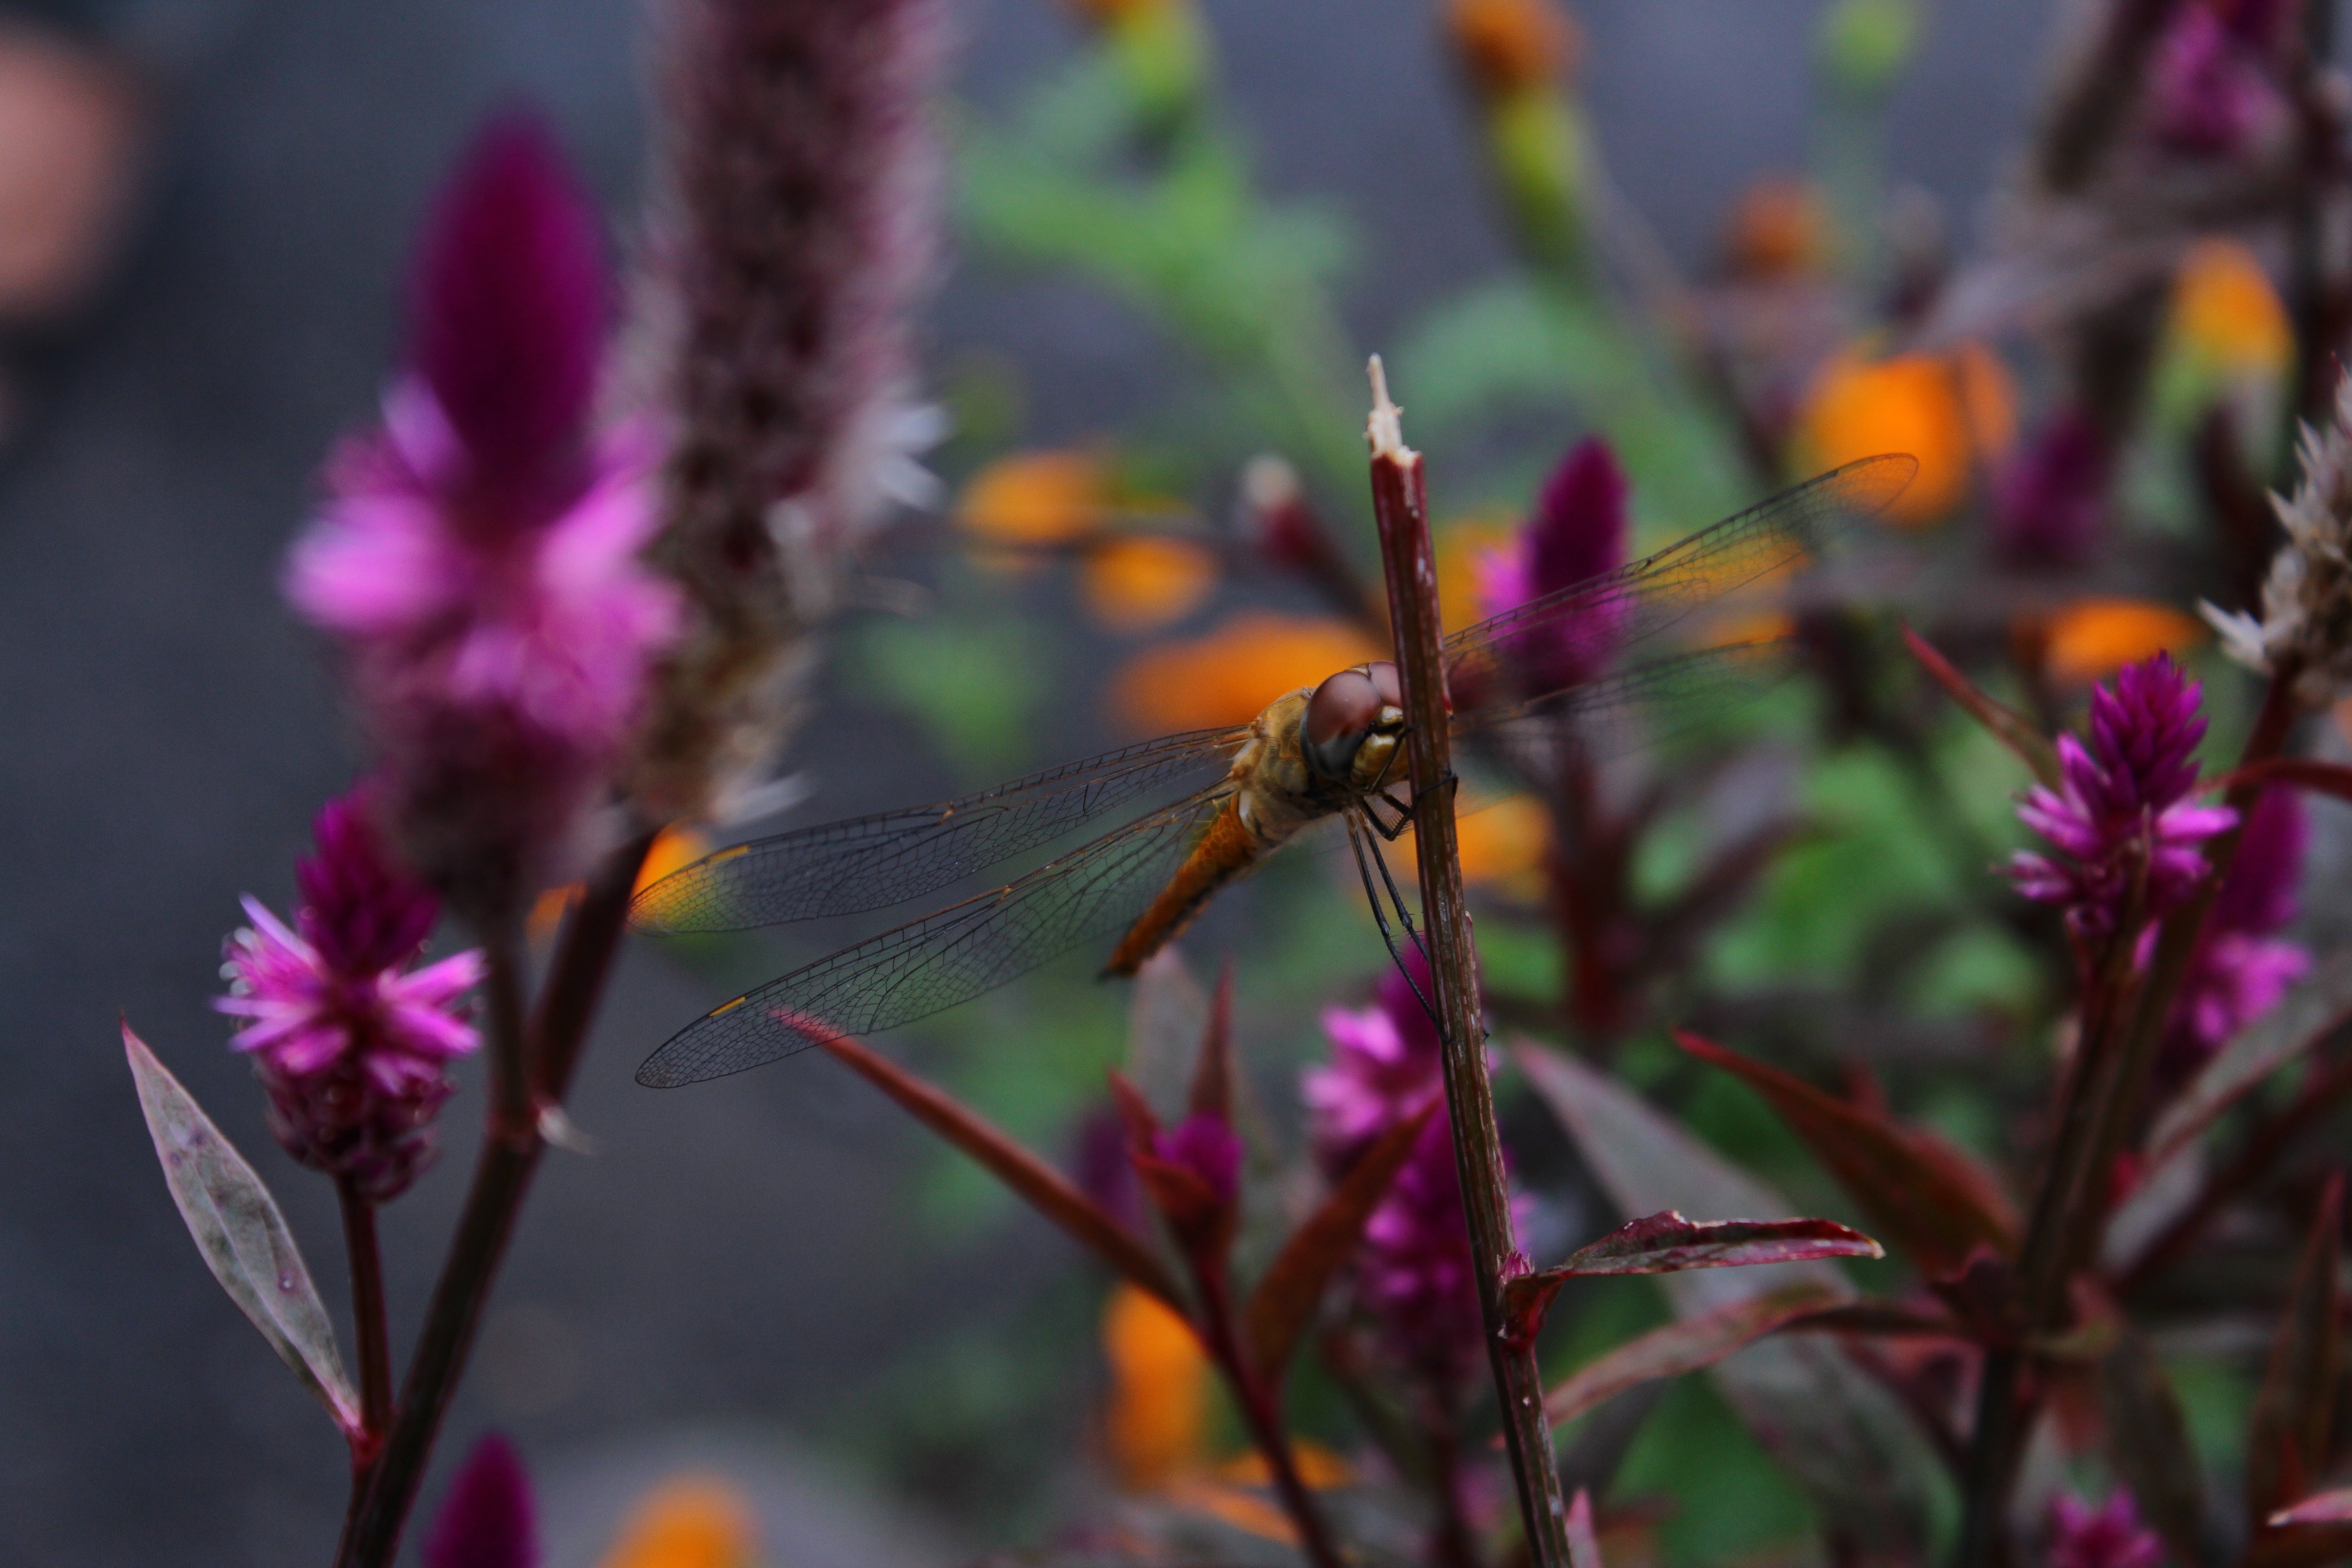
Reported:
(242, 1234)
(2320, 1508)
(1920, 1194)
(1667, 1243)
(2286, 1439)
(1690, 1344)
(1834, 1426)
(1212, 1073)
(1583, 1545)
(2307, 1015)
(2008, 726)
(2147, 1440)
(1286, 1298)
(1166, 1016)
(1037, 1184)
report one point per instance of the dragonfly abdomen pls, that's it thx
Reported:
(1227, 849)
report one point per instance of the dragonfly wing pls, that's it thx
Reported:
(873, 862)
(944, 959)
(1645, 597)
(1641, 705)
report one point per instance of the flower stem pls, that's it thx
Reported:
(1259, 1414)
(367, 1315)
(512, 1146)
(1399, 503)
(2102, 1106)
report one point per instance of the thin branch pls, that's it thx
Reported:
(511, 1145)
(368, 1319)
(1399, 502)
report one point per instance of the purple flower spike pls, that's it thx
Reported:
(2124, 795)
(489, 1519)
(1206, 1146)
(479, 556)
(508, 318)
(1578, 533)
(2211, 88)
(351, 1051)
(2051, 501)
(2109, 1536)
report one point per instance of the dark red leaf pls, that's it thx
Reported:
(1213, 1071)
(1286, 1295)
(1037, 1184)
(2307, 1015)
(1921, 1193)
(1692, 1344)
(2320, 1508)
(1667, 1244)
(2008, 726)
(2286, 1439)
(2300, 772)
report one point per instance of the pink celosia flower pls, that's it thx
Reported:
(352, 1049)
(2121, 800)
(1415, 1273)
(478, 555)
(2052, 501)
(489, 1519)
(2211, 88)
(2108, 1536)
(1577, 534)
(2240, 968)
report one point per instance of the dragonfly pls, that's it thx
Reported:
(1205, 808)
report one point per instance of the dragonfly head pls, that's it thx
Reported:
(1352, 723)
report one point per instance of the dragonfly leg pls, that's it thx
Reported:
(1359, 843)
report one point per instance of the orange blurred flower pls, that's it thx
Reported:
(2225, 312)
(1036, 499)
(1159, 1417)
(1951, 411)
(1779, 227)
(693, 1521)
(1144, 582)
(1509, 46)
(2093, 639)
(1504, 845)
(1227, 676)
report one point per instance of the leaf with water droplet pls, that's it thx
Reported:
(242, 1234)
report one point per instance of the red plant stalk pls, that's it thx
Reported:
(539, 1053)
(1260, 1412)
(1399, 504)
(368, 1321)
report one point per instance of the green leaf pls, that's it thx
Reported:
(242, 1234)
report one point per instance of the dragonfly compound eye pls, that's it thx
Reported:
(1338, 716)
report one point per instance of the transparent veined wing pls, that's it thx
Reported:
(931, 964)
(1640, 706)
(1613, 613)
(873, 862)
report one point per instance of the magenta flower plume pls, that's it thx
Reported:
(2240, 969)
(1577, 534)
(1415, 1273)
(352, 1049)
(2108, 1536)
(2052, 501)
(2123, 799)
(489, 1519)
(477, 557)
(2211, 88)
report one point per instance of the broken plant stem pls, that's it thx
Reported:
(540, 1052)
(1399, 503)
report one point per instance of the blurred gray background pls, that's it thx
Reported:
(737, 1261)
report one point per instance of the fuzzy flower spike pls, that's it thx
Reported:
(477, 558)
(351, 1046)
(2307, 620)
(2122, 804)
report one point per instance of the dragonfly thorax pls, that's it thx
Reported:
(1349, 731)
